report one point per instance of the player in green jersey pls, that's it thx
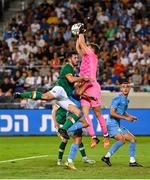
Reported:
(59, 117)
(61, 92)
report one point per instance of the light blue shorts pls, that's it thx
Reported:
(115, 129)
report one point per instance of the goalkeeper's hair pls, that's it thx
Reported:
(96, 48)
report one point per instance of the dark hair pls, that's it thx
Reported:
(69, 54)
(96, 48)
(125, 82)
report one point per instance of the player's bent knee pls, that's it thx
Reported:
(133, 139)
(65, 141)
(77, 112)
(73, 109)
(86, 125)
(123, 140)
(84, 122)
(48, 96)
(97, 114)
(77, 139)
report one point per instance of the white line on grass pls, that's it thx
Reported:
(26, 158)
(42, 156)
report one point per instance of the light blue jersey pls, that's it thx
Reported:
(120, 103)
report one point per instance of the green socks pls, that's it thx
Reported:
(73, 118)
(26, 95)
(32, 95)
(61, 150)
(82, 150)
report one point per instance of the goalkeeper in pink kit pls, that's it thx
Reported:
(88, 69)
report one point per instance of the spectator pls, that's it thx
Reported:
(118, 67)
(67, 34)
(102, 17)
(137, 80)
(39, 37)
(37, 79)
(33, 48)
(114, 77)
(48, 81)
(25, 56)
(44, 25)
(132, 55)
(55, 62)
(45, 69)
(35, 26)
(6, 88)
(146, 47)
(55, 75)
(10, 41)
(16, 55)
(124, 58)
(30, 80)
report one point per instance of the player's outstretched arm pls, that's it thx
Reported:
(80, 87)
(134, 118)
(82, 44)
(78, 47)
(73, 79)
(119, 116)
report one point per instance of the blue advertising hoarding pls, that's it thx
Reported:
(39, 122)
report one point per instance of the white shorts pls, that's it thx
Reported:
(61, 97)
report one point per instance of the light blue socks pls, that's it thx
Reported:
(73, 152)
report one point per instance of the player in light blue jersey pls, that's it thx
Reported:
(118, 110)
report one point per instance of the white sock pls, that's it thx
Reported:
(70, 160)
(132, 159)
(85, 157)
(93, 137)
(108, 155)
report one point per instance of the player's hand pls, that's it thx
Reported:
(80, 83)
(128, 118)
(81, 28)
(131, 118)
(134, 118)
(86, 79)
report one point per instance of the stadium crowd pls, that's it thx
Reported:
(35, 43)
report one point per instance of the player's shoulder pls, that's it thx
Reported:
(117, 96)
(67, 67)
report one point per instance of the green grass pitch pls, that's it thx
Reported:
(46, 168)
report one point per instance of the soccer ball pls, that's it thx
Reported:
(75, 28)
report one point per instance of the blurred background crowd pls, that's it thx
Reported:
(36, 41)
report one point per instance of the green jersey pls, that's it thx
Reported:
(63, 82)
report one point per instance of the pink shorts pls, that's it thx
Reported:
(94, 90)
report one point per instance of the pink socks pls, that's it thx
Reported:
(103, 125)
(90, 127)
